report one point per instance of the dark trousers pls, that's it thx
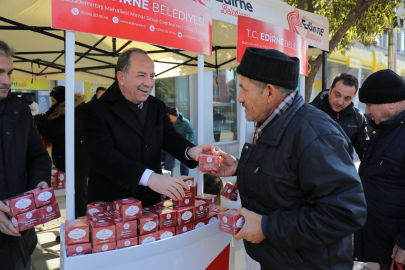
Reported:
(169, 164)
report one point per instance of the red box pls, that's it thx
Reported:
(102, 231)
(103, 215)
(98, 207)
(20, 204)
(185, 215)
(148, 238)
(148, 223)
(42, 196)
(201, 209)
(184, 229)
(189, 197)
(27, 220)
(78, 249)
(212, 217)
(189, 180)
(128, 209)
(129, 242)
(61, 177)
(167, 217)
(164, 204)
(218, 209)
(54, 175)
(230, 221)
(167, 233)
(126, 229)
(199, 223)
(230, 191)
(164, 197)
(54, 185)
(76, 232)
(104, 247)
(208, 163)
(50, 212)
(211, 200)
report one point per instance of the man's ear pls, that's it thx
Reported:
(330, 90)
(120, 77)
(270, 92)
(393, 105)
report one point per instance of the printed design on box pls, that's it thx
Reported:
(61, 177)
(187, 201)
(149, 226)
(104, 234)
(126, 226)
(127, 243)
(28, 215)
(132, 210)
(212, 220)
(108, 208)
(49, 208)
(44, 196)
(201, 207)
(189, 182)
(236, 191)
(229, 190)
(14, 221)
(148, 240)
(166, 235)
(168, 216)
(212, 199)
(186, 215)
(105, 247)
(184, 228)
(93, 210)
(199, 225)
(117, 207)
(209, 159)
(23, 203)
(240, 222)
(225, 219)
(79, 249)
(77, 234)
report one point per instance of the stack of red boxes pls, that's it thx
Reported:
(58, 179)
(33, 208)
(127, 213)
(230, 221)
(61, 180)
(77, 237)
(230, 191)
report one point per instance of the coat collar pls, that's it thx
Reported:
(274, 131)
(389, 124)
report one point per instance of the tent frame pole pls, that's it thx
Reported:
(200, 117)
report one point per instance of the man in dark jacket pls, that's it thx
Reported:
(301, 195)
(24, 165)
(184, 128)
(337, 103)
(382, 171)
(125, 131)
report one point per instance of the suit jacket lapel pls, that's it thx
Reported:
(121, 109)
(9, 119)
(150, 119)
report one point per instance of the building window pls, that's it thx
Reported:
(225, 124)
(175, 93)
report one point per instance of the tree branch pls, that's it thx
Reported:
(301, 4)
(310, 7)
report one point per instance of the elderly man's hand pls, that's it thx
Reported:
(195, 151)
(166, 185)
(42, 185)
(228, 163)
(6, 226)
(252, 229)
(398, 254)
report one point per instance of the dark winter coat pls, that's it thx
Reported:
(27, 163)
(120, 150)
(185, 129)
(382, 172)
(351, 120)
(301, 178)
(52, 125)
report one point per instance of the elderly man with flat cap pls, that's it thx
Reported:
(382, 171)
(301, 195)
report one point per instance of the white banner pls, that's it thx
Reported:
(313, 27)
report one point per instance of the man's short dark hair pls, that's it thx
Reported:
(347, 79)
(5, 49)
(123, 63)
(100, 88)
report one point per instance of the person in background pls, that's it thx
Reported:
(382, 171)
(29, 100)
(99, 92)
(182, 126)
(52, 125)
(24, 165)
(337, 102)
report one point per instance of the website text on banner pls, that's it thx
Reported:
(258, 34)
(181, 24)
(313, 27)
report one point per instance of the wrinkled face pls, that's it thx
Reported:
(256, 106)
(138, 83)
(341, 96)
(173, 118)
(379, 112)
(6, 68)
(100, 93)
(53, 101)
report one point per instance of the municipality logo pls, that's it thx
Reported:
(293, 19)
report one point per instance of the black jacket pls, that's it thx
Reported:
(382, 172)
(351, 120)
(120, 150)
(301, 178)
(27, 163)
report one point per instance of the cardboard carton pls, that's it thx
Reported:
(76, 231)
(104, 247)
(148, 223)
(78, 249)
(102, 231)
(129, 242)
(208, 163)
(128, 209)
